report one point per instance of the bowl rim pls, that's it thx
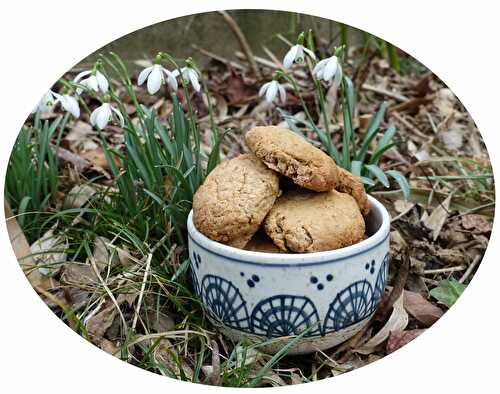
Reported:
(231, 253)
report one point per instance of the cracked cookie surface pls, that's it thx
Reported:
(291, 155)
(350, 184)
(234, 199)
(303, 221)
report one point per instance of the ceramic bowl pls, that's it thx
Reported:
(259, 296)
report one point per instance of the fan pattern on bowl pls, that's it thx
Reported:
(351, 305)
(284, 314)
(382, 279)
(224, 302)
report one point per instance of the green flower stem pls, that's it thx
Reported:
(322, 105)
(194, 124)
(213, 125)
(332, 150)
(292, 80)
(124, 76)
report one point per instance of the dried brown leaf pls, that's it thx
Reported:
(476, 223)
(79, 274)
(78, 196)
(398, 339)
(103, 254)
(80, 137)
(164, 353)
(445, 102)
(436, 220)
(110, 347)
(157, 321)
(421, 309)
(49, 252)
(22, 249)
(100, 322)
(397, 321)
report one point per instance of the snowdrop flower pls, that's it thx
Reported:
(271, 90)
(46, 103)
(69, 103)
(102, 115)
(296, 54)
(328, 69)
(190, 75)
(155, 76)
(95, 81)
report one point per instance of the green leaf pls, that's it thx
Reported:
(378, 173)
(348, 135)
(401, 181)
(372, 130)
(448, 291)
(367, 181)
(383, 144)
(392, 53)
(356, 166)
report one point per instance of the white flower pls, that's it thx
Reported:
(327, 69)
(189, 74)
(296, 54)
(155, 77)
(69, 103)
(95, 81)
(102, 115)
(46, 103)
(271, 90)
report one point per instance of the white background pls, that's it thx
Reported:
(458, 40)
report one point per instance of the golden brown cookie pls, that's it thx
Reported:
(291, 155)
(351, 184)
(234, 199)
(303, 221)
(261, 242)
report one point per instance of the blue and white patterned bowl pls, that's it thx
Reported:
(259, 296)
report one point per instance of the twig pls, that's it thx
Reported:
(412, 128)
(476, 209)
(80, 164)
(242, 41)
(220, 59)
(215, 376)
(396, 218)
(431, 121)
(444, 270)
(143, 286)
(110, 294)
(169, 334)
(430, 281)
(409, 104)
(384, 92)
(272, 56)
(259, 60)
(472, 265)
(284, 39)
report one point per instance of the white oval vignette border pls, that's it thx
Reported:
(456, 40)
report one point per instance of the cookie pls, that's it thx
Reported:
(351, 184)
(303, 221)
(291, 155)
(261, 242)
(234, 199)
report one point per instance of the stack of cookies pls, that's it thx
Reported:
(285, 196)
